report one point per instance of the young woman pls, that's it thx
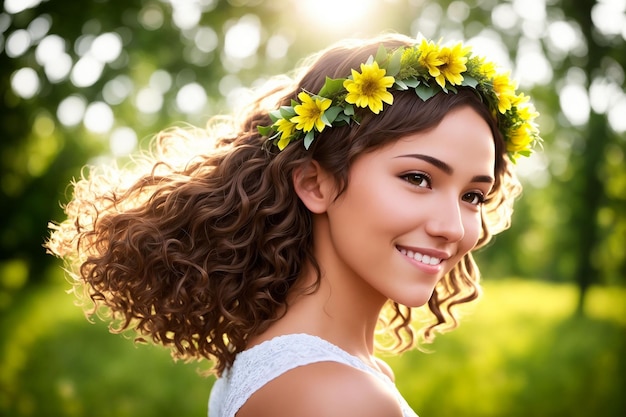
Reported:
(338, 203)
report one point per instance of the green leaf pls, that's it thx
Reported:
(342, 118)
(308, 139)
(411, 82)
(264, 130)
(381, 56)
(331, 87)
(469, 81)
(424, 92)
(287, 112)
(331, 114)
(394, 62)
(349, 110)
(401, 85)
(275, 115)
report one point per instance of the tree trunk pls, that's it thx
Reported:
(597, 137)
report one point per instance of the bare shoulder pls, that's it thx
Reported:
(324, 389)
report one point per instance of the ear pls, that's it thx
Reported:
(314, 186)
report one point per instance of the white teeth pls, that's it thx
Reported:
(425, 259)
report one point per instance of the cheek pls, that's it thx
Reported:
(376, 197)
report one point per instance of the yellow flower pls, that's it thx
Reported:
(487, 68)
(505, 91)
(526, 111)
(285, 128)
(369, 88)
(520, 138)
(310, 112)
(453, 64)
(429, 57)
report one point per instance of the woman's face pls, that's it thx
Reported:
(411, 210)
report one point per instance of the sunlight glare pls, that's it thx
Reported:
(149, 100)
(123, 141)
(25, 82)
(186, 14)
(334, 15)
(99, 117)
(17, 6)
(71, 110)
(564, 36)
(106, 47)
(116, 90)
(504, 17)
(86, 72)
(39, 27)
(616, 115)
(427, 23)
(532, 67)
(609, 16)
(17, 43)
(191, 98)
(534, 10)
(243, 38)
(575, 104)
(489, 43)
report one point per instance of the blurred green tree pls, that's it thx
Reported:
(599, 219)
(92, 79)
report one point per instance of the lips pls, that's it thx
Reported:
(420, 257)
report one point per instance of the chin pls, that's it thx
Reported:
(414, 300)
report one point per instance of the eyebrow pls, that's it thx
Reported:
(445, 167)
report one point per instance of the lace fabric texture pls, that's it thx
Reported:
(257, 366)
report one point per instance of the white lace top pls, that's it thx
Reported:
(260, 364)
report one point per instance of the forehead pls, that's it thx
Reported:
(462, 139)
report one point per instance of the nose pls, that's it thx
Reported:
(446, 221)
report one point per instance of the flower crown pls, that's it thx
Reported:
(426, 68)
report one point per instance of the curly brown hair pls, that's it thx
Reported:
(200, 256)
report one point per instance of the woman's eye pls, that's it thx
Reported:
(474, 198)
(417, 179)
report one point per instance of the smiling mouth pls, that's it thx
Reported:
(420, 257)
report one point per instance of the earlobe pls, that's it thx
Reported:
(314, 186)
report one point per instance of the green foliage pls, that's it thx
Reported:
(522, 353)
(53, 362)
(519, 352)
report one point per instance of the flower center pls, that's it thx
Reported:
(369, 87)
(314, 112)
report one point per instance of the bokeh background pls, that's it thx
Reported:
(88, 81)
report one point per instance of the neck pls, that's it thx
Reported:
(344, 310)
(338, 313)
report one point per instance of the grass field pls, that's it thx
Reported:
(519, 352)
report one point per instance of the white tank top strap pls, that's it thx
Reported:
(255, 367)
